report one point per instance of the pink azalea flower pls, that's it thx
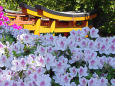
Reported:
(29, 84)
(112, 62)
(91, 45)
(113, 40)
(44, 80)
(18, 47)
(15, 65)
(40, 70)
(57, 77)
(16, 27)
(7, 83)
(5, 76)
(35, 77)
(49, 38)
(71, 42)
(49, 49)
(103, 81)
(112, 48)
(30, 60)
(5, 19)
(29, 72)
(65, 80)
(101, 60)
(94, 33)
(1, 71)
(77, 56)
(78, 38)
(73, 71)
(93, 64)
(83, 82)
(14, 84)
(23, 64)
(60, 65)
(73, 33)
(85, 31)
(89, 55)
(40, 61)
(42, 50)
(3, 61)
(82, 71)
(42, 83)
(109, 60)
(22, 83)
(84, 43)
(73, 84)
(98, 45)
(1, 15)
(61, 43)
(34, 83)
(103, 47)
(93, 82)
(113, 82)
(1, 23)
(1, 8)
(49, 60)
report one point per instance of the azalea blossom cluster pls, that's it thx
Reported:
(65, 61)
(4, 20)
(46, 60)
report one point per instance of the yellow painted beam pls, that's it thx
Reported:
(11, 17)
(49, 15)
(43, 29)
(35, 28)
(33, 13)
(58, 30)
(61, 30)
(29, 27)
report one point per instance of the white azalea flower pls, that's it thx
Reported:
(93, 64)
(94, 33)
(49, 60)
(82, 71)
(73, 71)
(83, 82)
(113, 82)
(103, 82)
(2, 48)
(61, 43)
(40, 61)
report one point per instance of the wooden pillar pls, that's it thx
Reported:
(87, 23)
(66, 34)
(53, 27)
(74, 24)
(37, 27)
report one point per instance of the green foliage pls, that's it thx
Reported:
(7, 53)
(6, 37)
(54, 84)
(27, 51)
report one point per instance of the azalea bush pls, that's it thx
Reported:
(46, 60)
(4, 20)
